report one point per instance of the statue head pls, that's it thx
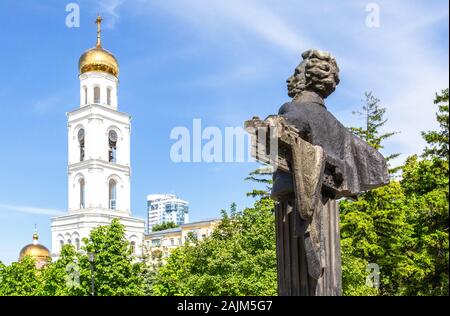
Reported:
(318, 72)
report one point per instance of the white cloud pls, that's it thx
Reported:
(216, 18)
(42, 106)
(402, 62)
(30, 210)
(110, 8)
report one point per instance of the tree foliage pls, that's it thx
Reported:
(163, 226)
(20, 278)
(438, 140)
(374, 119)
(237, 259)
(402, 227)
(262, 175)
(115, 272)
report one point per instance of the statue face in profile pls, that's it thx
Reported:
(318, 72)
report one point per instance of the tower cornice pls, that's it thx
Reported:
(98, 164)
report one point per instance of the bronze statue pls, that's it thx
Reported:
(324, 162)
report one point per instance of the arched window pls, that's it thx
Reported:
(61, 244)
(96, 94)
(69, 241)
(85, 95)
(133, 247)
(81, 143)
(112, 143)
(112, 194)
(77, 243)
(108, 96)
(82, 193)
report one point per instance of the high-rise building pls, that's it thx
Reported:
(98, 156)
(164, 208)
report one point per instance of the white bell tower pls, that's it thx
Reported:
(99, 168)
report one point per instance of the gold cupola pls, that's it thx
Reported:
(38, 252)
(98, 58)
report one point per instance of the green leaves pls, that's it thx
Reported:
(373, 115)
(438, 140)
(403, 227)
(20, 278)
(115, 273)
(237, 259)
(163, 226)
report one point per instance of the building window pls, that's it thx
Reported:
(81, 143)
(112, 194)
(77, 243)
(96, 94)
(112, 142)
(61, 244)
(82, 193)
(108, 96)
(156, 242)
(69, 241)
(133, 247)
(172, 242)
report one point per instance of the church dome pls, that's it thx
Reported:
(98, 58)
(38, 252)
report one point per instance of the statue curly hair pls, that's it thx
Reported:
(318, 72)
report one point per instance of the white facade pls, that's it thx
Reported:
(163, 208)
(98, 166)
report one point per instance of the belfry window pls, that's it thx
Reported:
(85, 95)
(96, 94)
(82, 193)
(81, 143)
(108, 96)
(112, 194)
(112, 142)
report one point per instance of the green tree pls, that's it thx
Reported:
(163, 226)
(237, 259)
(115, 271)
(424, 270)
(20, 278)
(63, 277)
(374, 119)
(402, 227)
(262, 175)
(438, 140)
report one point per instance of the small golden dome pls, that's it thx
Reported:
(98, 58)
(39, 252)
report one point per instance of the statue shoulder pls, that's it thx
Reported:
(284, 108)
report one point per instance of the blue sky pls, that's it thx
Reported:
(221, 61)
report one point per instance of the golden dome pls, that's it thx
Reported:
(98, 58)
(39, 252)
